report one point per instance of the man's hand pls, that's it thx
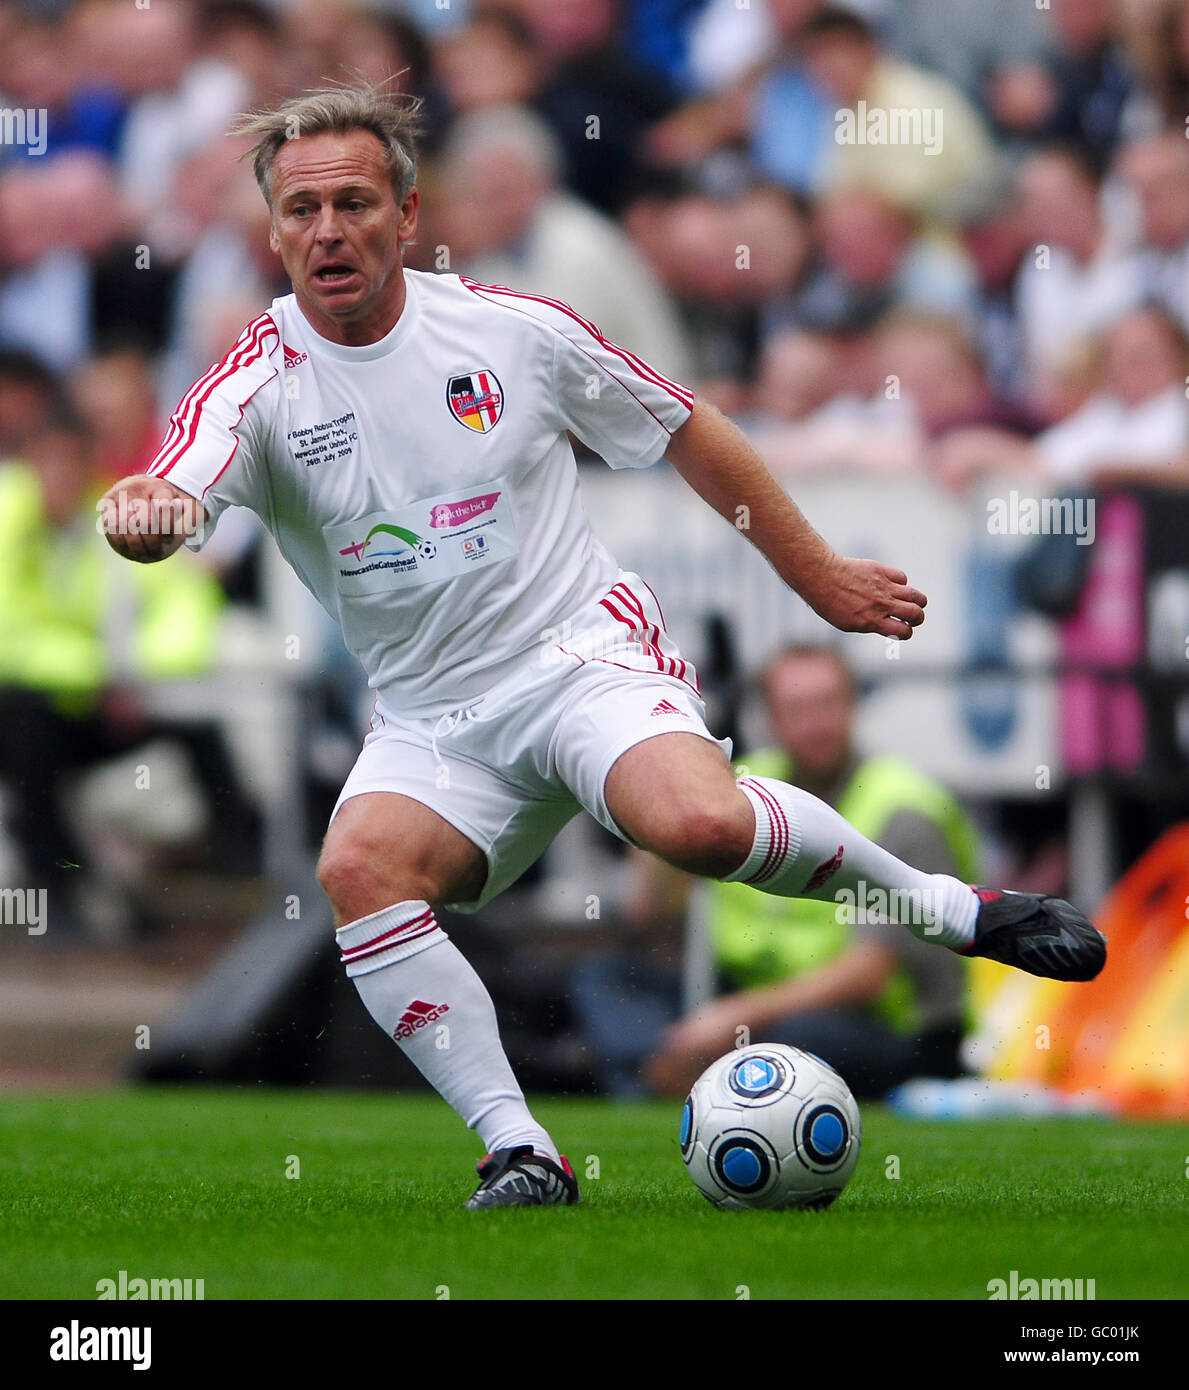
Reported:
(692, 1043)
(865, 596)
(147, 519)
(716, 459)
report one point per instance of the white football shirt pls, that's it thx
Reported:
(423, 487)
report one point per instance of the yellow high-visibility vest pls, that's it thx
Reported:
(65, 597)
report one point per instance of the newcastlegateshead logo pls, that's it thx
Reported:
(388, 547)
(476, 399)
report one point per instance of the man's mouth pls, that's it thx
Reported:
(333, 274)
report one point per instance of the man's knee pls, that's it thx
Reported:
(360, 879)
(709, 840)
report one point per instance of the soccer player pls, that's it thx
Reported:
(403, 436)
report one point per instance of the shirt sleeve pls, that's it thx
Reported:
(210, 446)
(619, 406)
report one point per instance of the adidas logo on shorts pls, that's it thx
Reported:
(668, 707)
(417, 1015)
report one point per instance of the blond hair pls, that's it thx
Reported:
(394, 121)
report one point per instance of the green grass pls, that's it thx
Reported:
(191, 1183)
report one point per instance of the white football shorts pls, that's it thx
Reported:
(510, 769)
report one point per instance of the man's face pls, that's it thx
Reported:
(810, 708)
(338, 230)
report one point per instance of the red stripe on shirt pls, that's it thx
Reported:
(236, 361)
(176, 420)
(641, 368)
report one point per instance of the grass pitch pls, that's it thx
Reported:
(191, 1183)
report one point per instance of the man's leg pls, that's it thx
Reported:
(387, 862)
(677, 795)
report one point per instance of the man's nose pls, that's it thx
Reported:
(328, 228)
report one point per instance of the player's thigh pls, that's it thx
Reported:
(675, 794)
(384, 847)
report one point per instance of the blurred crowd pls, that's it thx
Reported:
(894, 235)
(1004, 283)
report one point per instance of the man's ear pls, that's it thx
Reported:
(274, 244)
(407, 227)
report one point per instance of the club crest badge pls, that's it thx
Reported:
(476, 400)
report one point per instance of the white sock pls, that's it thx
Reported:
(804, 849)
(422, 991)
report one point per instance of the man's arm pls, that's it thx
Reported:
(854, 978)
(147, 519)
(717, 461)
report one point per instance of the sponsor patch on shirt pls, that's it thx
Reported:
(437, 538)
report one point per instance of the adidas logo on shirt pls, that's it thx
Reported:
(417, 1015)
(293, 358)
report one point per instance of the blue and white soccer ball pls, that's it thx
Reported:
(770, 1126)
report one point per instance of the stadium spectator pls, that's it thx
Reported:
(873, 257)
(878, 1009)
(77, 634)
(757, 96)
(945, 170)
(598, 101)
(113, 393)
(51, 215)
(1097, 89)
(181, 99)
(46, 67)
(726, 260)
(512, 225)
(491, 61)
(919, 379)
(1157, 172)
(972, 45)
(27, 393)
(228, 263)
(1077, 278)
(1162, 52)
(1133, 428)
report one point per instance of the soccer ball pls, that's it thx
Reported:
(770, 1126)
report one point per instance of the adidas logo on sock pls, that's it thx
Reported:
(417, 1015)
(668, 707)
(824, 871)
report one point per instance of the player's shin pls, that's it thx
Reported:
(423, 992)
(804, 849)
